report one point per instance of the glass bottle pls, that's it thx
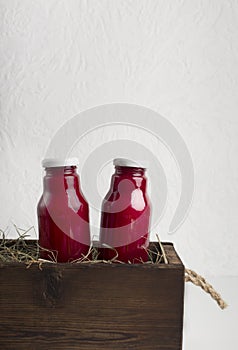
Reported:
(125, 214)
(63, 214)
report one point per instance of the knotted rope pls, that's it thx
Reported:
(192, 276)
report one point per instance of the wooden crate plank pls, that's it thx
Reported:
(92, 306)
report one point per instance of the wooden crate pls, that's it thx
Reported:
(92, 306)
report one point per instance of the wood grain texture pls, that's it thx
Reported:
(92, 306)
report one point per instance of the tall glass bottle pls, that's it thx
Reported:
(63, 214)
(125, 214)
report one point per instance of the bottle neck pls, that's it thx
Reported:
(129, 171)
(135, 179)
(60, 171)
(59, 179)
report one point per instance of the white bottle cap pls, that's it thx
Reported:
(130, 163)
(57, 162)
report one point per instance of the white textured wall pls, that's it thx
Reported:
(179, 58)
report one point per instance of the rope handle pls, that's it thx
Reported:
(192, 276)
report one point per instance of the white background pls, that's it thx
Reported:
(179, 58)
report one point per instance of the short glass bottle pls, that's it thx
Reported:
(125, 214)
(63, 213)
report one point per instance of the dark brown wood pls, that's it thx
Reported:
(92, 306)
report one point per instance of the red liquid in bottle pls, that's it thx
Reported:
(63, 215)
(125, 215)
